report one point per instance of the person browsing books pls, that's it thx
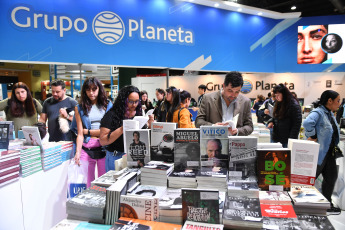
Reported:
(87, 119)
(287, 116)
(321, 126)
(164, 107)
(145, 102)
(178, 111)
(221, 106)
(53, 107)
(21, 108)
(126, 106)
(160, 94)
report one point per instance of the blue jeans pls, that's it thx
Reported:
(110, 159)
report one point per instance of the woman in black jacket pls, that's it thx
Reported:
(287, 116)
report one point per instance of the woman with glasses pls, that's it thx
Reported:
(88, 115)
(165, 105)
(179, 112)
(126, 106)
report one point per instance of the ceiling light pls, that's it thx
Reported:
(260, 13)
(293, 7)
(216, 5)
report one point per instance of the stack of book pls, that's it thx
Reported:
(9, 166)
(156, 173)
(66, 150)
(274, 197)
(113, 195)
(135, 224)
(242, 184)
(170, 207)
(88, 205)
(308, 200)
(51, 155)
(15, 144)
(183, 178)
(30, 160)
(307, 222)
(197, 225)
(106, 180)
(210, 178)
(242, 210)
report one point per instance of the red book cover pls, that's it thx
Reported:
(278, 211)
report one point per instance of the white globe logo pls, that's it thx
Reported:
(108, 27)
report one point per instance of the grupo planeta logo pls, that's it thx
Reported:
(247, 86)
(108, 27)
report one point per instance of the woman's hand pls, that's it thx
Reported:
(77, 158)
(270, 125)
(311, 139)
(151, 119)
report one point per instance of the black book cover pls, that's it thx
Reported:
(187, 148)
(314, 222)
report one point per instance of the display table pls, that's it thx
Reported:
(35, 202)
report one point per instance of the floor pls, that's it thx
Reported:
(338, 221)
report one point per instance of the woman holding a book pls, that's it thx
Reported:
(321, 126)
(21, 108)
(287, 116)
(178, 111)
(126, 106)
(88, 114)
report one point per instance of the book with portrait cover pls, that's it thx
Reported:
(4, 136)
(242, 210)
(32, 135)
(135, 224)
(200, 205)
(274, 169)
(137, 207)
(187, 148)
(214, 146)
(162, 141)
(242, 153)
(138, 147)
(314, 222)
(188, 225)
(304, 156)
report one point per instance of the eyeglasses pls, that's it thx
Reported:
(133, 102)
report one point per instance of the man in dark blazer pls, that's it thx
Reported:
(218, 107)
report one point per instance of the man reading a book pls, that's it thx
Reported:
(221, 106)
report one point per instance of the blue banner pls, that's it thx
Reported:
(150, 33)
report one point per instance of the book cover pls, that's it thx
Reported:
(200, 205)
(127, 125)
(138, 147)
(187, 148)
(136, 224)
(188, 225)
(4, 136)
(278, 211)
(214, 152)
(281, 223)
(314, 222)
(215, 173)
(304, 156)
(158, 167)
(183, 175)
(213, 132)
(32, 135)
(137, 207)
(274, 170)
(11, 134)
(162, 141)
(242, 206)
(274, 197)
(106, 180)
(307, 195)
(171, 203)
(242, 154)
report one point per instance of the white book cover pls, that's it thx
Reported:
(304, 156)
(270, 109)
(32, 135)
(137, 207)
(269, 146)
(127, 125)
(138, 147)
(162, 141)
(212, 132)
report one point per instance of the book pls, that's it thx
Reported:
(4, 136)
(214, 146)
(170, 204)
(274, 170)
(278, 211)
(314, 222)
(242, 152)
(136, 224)
(185, 178)
(32, 135)
(304, 156)
(106, 180)
(187, 148)
(158, 167)
(11, 134)
(137, 207)
(162, 141)
(200, 205)
(138, 147)
(271, 223)
(274, 197)
(197, 225)
(127, 125)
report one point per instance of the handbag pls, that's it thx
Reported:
(337, 152)
(95, 153)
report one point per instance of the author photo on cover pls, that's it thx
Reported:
(332, 43)
(214, 152)
(137, 149)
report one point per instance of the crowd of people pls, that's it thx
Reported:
(97, 123)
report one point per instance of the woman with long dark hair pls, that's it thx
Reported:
(126, 106)
(321, 126)
(287, 116)
(145, 102)
(163, 109)
(178, 111)
(88, 115)
(21, 108)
